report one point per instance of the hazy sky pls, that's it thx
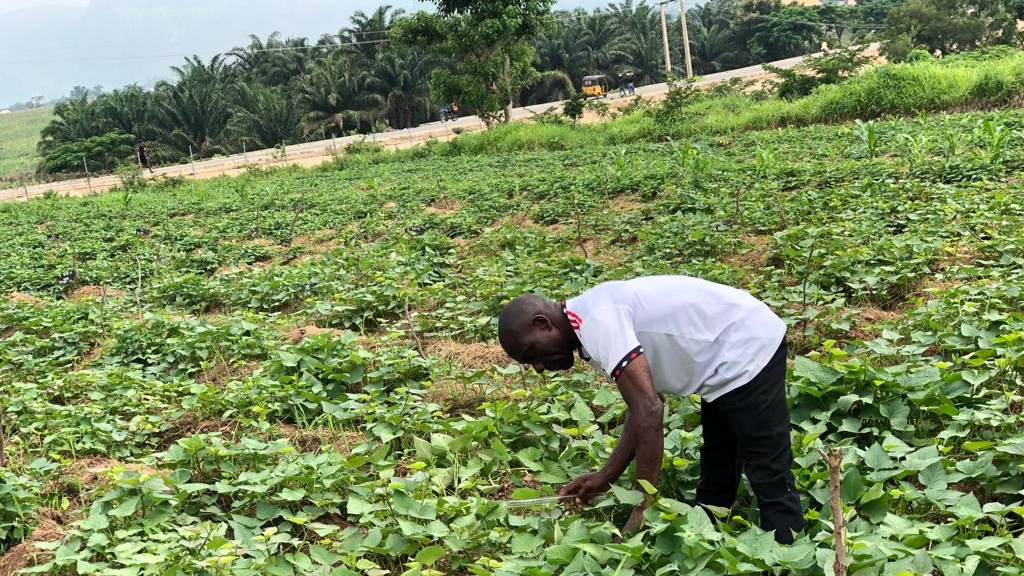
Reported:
(49, 46)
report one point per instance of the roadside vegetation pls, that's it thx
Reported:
(294, 372)
(394, 70)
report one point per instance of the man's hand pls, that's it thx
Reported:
(583, 489)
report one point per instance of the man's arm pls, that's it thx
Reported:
(643, 435)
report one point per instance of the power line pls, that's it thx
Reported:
(154, 44)
(164, 56)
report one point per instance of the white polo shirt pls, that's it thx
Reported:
(699, 337)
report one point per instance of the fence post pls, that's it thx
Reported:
(88, 177)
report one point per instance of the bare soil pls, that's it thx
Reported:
(298, 334)
(443, 206)
(21, 297)
(474, 356)
(96, 292)
(755, 257)
(26, 554)
(314, 439)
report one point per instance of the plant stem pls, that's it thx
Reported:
(834, 459)
(412, 330)
(3, 439)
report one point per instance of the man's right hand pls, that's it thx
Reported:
(583, 489)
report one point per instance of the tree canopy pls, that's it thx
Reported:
(389, 68)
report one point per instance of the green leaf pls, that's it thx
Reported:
(95, 522)
(526, 543)
(289, 359)
(524, 493)
(647, 487)
(292, 494)
(430, 555)
(877, 458)
(126, 508)
(627, 496)
(817, 373)
(560, 554)
(851, 487)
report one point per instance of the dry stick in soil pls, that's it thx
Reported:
(299, 208)
(782, 214)
(834, 459)
(3, 439)
(412, 329)
(138, 288)
(579, 227)
(525, 214)
(807, 274)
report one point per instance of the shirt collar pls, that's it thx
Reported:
(579, 349)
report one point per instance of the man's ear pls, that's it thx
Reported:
(541, 322)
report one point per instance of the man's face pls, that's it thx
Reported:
(544, 348)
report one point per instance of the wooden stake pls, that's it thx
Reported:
(412, 329)
(834, 459)
(3, 439)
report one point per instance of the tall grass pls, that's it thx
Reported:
(19, 134)
(892, 89)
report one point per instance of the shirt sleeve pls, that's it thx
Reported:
(607, 335)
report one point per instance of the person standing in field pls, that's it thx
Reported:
(143, 156)
(676, 335)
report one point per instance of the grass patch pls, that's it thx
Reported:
(19, 134)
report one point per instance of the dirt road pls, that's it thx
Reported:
(314, 153)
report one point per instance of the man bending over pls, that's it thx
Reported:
(677, 335)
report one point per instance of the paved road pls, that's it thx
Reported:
(313, 153)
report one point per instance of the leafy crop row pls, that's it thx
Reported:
(280, 363)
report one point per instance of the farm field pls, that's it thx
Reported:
(19, 134)
(294, 371)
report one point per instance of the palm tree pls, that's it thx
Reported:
(274, 62)
(263, 117)
(336, 98)
(714, 49)
(72, 120)
(639, 39)
(195, 110)
(597, 43)
(558, 49)
(553, 85)
(368, 32)
(129, 110)
(401, 77)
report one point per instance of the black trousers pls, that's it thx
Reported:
(747, 430)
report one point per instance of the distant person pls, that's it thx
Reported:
(630, 87)
(622, 86)
(140, 151)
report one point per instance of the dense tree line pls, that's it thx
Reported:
(389, 69)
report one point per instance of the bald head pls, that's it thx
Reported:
(533, 330)
(516, 319)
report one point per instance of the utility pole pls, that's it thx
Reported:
(664, 39)
(686, 38)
